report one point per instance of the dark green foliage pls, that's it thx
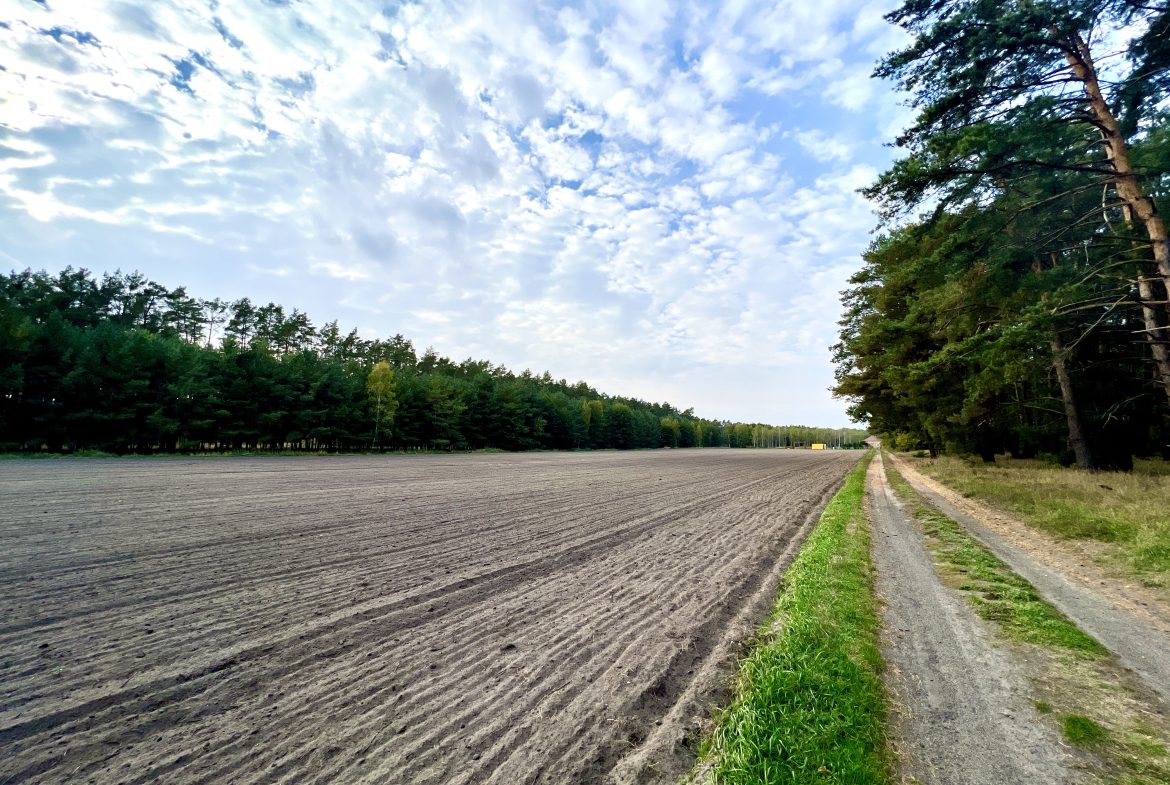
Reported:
(964, 319)
(947, 341)
(123, 364)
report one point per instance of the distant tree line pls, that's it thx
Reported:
(124, 364)
(1016, 300)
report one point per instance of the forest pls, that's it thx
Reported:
(124, 364)
(1015, 298)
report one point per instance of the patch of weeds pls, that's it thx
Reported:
(808, 704)
(1152, 549)
(1077, 522)
(1043, 707)
(1149, 748)
(1080, 730)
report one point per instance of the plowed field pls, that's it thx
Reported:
(465, 619)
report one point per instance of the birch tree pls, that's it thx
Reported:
(383, 402)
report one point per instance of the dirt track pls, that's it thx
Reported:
(1114, 611)
(961, 711)
(465, 619)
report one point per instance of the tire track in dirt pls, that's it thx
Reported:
(468, 619)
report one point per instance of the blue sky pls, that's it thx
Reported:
(658, 198)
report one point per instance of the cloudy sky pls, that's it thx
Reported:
(658, 198)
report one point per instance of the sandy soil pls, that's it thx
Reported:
(464, 619)
(961, 711)
(1129, 620)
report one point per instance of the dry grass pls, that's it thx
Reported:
(1130, 512)
(1104, 710)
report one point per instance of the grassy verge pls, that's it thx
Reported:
(808, 705)
(997, 593)
(1129, 512)
(1098, 706)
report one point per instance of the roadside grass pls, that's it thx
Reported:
(1081, 730)
(1129, 511)
(808, 704)
(997, 593)
(1100, 708)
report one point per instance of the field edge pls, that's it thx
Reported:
(808, 702)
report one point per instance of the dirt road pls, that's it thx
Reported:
(464, 619)
(961, 710)
(1107, 608)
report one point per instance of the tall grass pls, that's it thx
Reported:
(1129, 510)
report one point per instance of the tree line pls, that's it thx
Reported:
(123, 364)
(1015, 299)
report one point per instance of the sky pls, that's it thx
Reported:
(657, 198)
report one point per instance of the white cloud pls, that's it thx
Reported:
(853, 91)
(346, 272)
(823, 146)
(609, 191)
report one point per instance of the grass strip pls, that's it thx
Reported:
(1129, 512)
(1099, 707)
(809, 705)
(994, 589)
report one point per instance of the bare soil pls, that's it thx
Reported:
(465, 619)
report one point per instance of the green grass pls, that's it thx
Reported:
(1079, 729)
(997, 593)
(809, 706)
(1130, 511)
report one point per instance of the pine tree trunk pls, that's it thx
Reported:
(1139, 207)
(1153, 319)
(1155, 331)
(1076, 432)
